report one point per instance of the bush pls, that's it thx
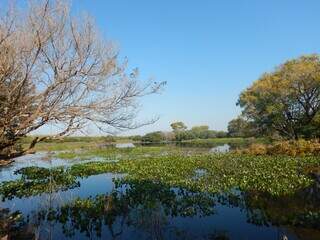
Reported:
(292, 148)
(257, 149)
(154, 137)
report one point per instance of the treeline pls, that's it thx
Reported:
(281, 104)
(180, 132)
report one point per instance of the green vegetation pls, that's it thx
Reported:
(154, 137)
(181, 132)
(83, 139)
(287, 100)
(276, 175)
(72, 143)
(239, 127)
(144, 201)
(113, 153)
(36, 180)
(95, 143)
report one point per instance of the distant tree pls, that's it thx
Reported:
(286, 100)
(184, 135)
(136, 138)
(212, 133)
(178, 126)
(221, 134)
(169, 136)
(201, 128)
(154, 137)
(239, 127)
(57, 69)
(201, 132)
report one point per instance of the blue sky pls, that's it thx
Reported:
(207, 50)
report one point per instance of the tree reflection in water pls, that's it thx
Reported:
(148, 208)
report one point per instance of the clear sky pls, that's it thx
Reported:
(207, 50)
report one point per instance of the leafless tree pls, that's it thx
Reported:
(56, 68)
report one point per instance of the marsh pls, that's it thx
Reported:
(147, 194)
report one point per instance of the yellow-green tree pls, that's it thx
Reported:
(286, 100)
(178, 126)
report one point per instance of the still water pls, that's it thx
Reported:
(104, 207)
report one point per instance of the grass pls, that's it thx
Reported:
(117, 153)
(62, 146)
(73, 143)
(76, 143)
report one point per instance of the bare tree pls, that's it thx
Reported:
(55, 68)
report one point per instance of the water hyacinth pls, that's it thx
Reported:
(276, 175)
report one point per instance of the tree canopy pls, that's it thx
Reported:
(287, 99)
(239, 127)
(178, 126)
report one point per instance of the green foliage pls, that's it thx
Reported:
(286, 100)
(178, 126)
(184, 135)
(154, 137)
(73, 139)
(36, 180)
(200, 131)
(137, 206)
(276, 175)
(136, 138)
(239, 127)
(137, 203)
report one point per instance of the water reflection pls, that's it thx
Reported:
(107, 206)
(200, 147)
(124, 145)
(221, 149)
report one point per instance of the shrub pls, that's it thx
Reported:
(257, 149)
(155, 137)
(292, 148)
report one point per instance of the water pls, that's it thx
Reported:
(101, 207)
(124, 145)
(202, 147)
(221, 149)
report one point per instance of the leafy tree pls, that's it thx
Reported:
(239, 127)
(178, 126)
(184, 135)
(219, 134)
(154, 137)
(200, 131)
(136, 138)
(286, 100)
(201, 128)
